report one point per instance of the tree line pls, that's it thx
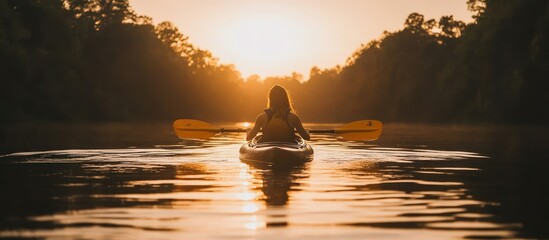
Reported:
(98, 60)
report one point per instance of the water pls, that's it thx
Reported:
(416, 182)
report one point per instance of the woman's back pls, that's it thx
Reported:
(277, 127)
(278, 122)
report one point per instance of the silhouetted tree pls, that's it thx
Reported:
(97, 60)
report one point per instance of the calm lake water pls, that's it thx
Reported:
(121, 181)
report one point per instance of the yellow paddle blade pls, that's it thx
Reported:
(363, 130)
(193, 129)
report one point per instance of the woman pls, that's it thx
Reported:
(278, 122)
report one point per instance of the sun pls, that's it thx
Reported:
(264, 44)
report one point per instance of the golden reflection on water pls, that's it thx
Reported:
(349, 191)
(244, 124)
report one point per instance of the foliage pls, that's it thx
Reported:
(97, 60)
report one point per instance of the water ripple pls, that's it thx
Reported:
(202, 190)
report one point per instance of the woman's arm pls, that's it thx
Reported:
(257, 126)
(299, 127)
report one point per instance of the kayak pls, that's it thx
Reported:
(277, 152)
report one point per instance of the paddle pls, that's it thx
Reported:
(363, 130)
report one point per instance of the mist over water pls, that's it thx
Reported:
(416, 182)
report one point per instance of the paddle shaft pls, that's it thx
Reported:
(361, 130)
(215, 130)
(240, 130)
(322, 131)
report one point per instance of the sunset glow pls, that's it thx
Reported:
(264, 43)
(274, 38)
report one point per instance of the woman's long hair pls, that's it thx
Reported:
(279, 100)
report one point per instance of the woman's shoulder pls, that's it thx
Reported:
(262, 116)
(293, 116)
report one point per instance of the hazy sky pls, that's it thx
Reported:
(278, 37)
